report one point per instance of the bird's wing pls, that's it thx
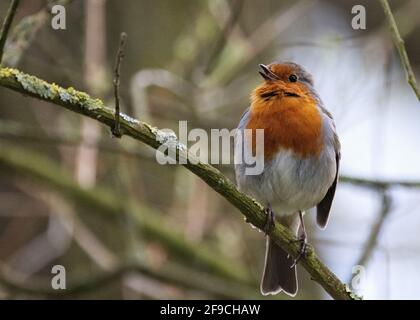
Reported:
(323, 208)
(244, 119)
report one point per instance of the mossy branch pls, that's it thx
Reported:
(253, 211)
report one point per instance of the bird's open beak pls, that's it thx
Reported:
(266, 73)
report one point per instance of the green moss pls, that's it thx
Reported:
(7, 72)
(35, 85)
(52, 91)
(81, 98)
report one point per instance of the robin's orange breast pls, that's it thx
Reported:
(292, 123)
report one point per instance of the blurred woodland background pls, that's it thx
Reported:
(125, 227)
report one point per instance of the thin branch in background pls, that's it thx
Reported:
(22, 36)
(79, 231)
(107, 205)
(6, 25)
(116, 130)
(96, 82)
(197, 210)
(399, 43)
(25, 33)
(224, 35)
(372, 241)
(171, 273)
(379, 184)
(14, 131)
(49, 246)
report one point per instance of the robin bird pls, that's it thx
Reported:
(301, 162)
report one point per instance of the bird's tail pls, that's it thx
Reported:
(279, 275)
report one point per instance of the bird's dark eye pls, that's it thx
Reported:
(293, 78)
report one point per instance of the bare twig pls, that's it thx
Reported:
(6, 25)
(399, 44)
(254, 212)
(116, 131)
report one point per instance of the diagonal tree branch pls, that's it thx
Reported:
(254, 212)
(399, 44)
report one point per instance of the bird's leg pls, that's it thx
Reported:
(302, 239)
(269, 223)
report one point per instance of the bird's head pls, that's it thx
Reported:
(285, 105)
(282, 80)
